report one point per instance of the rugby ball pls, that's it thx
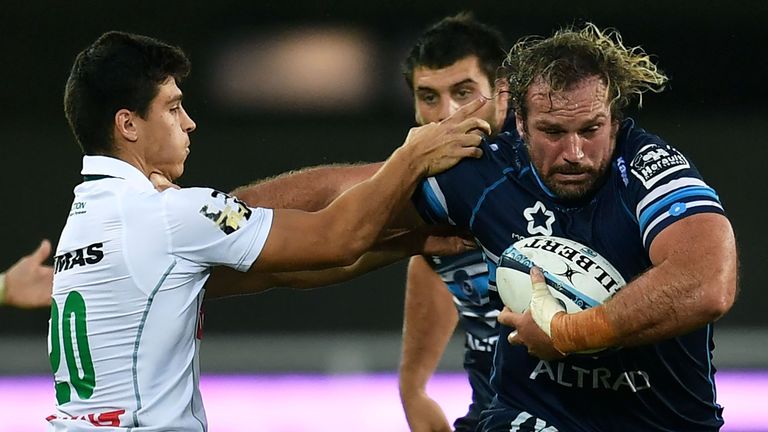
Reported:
(576, 275)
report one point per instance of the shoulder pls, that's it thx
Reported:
(501, 154)
(661, 184)
(451, 195)
(649, 158)
(205, 206)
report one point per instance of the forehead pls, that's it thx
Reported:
(587, 98)
(467, 68)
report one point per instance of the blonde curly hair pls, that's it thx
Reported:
(571, 55)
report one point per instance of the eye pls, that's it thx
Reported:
(464, 93)
(552, 131)
(428, 98)
(591, 130)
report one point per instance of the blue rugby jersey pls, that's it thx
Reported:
(466, 276)
(666, 386)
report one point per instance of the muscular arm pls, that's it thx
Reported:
(692, 282)
(308, 189)
(433, 240)
(429, 321)
(230, 282)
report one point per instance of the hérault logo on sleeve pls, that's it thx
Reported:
(654, 162)
(228, 213)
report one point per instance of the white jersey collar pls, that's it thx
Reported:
(113, 167)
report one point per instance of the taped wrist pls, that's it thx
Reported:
(588, 330)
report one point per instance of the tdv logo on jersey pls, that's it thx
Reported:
(654, 162)
(579, 258)
(79, 257)
(229, 219)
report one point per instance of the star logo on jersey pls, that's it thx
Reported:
(539, 219)
(568, 273)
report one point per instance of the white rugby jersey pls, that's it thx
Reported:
(125, 321)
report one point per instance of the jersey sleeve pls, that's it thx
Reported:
(212, 228)
(664, 186)
(452, 196)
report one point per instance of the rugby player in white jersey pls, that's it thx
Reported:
(131, 261)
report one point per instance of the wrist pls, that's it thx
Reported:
(412, 163)
(411, 387)
(2, 288)
(588, 330)
(411, 394)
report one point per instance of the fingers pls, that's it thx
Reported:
(161, 182)
(42, 252)
(513, 339)
(466, 111)
(539, 283)
(475, 126)
(536, 275)
(544, 306)
(469, 145)
(508, 317)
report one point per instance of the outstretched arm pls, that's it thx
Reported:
(340, 233)
(430, 320)
(429, 239)
(28, 283)
(308, 189)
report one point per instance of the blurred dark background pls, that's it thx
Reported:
(281, 85)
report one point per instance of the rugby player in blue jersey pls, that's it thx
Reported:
(584, 172)
(452, 63)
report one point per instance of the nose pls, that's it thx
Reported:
(573, 150)
(448, 106)
(187, 123)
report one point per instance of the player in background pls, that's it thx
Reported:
(131, 262)
(584, 172)
(453, 62)
(27, 283)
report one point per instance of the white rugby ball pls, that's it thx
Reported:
(576, 275)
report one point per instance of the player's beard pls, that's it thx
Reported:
(577, 189)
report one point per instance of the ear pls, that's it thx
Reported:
(125, 125)
(502, 100)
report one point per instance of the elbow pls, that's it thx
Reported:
(352, 251)
(344, 251)
(348, 244)
(719, 301)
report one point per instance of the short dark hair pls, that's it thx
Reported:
(452, 39)
(117, 71)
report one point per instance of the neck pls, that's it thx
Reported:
(134, 159)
